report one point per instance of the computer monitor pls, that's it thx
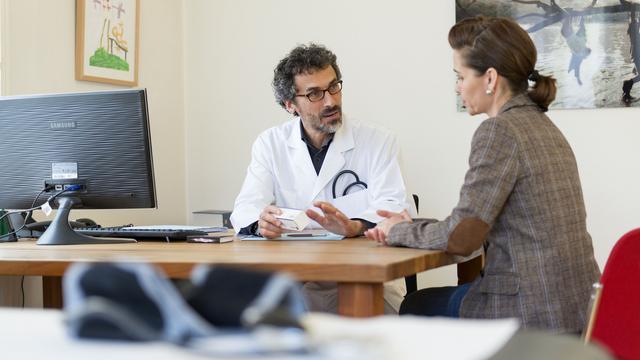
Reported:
(90, 150)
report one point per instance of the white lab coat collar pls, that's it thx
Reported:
(334, 161)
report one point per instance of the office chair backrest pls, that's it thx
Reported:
(411, 281)
(617, 318)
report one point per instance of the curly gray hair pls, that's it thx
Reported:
(302, 59)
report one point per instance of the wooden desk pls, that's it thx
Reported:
(359, 266)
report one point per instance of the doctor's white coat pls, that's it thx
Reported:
(281, 173)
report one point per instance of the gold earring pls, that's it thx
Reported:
(489, 91)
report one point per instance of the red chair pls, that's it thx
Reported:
(615, 321)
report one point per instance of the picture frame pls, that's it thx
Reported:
(107, 41)
(591, 48)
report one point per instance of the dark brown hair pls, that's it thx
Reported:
(302, 59)
(500, 43)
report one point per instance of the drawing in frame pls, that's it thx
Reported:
(107, 41)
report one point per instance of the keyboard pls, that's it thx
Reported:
(162, 234)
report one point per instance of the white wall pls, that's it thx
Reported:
(41, 43)
(397, 71)
(39, 54)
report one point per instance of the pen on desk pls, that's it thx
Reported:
(305, 235)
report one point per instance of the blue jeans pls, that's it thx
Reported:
(439, 301)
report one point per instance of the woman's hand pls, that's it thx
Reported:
(381, 231)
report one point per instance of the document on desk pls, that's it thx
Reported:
(316, 234)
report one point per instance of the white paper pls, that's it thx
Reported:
(412, 337)
(46, 208)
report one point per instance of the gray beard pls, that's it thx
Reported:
(329, 128)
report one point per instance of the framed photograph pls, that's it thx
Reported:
(591, 47)
(107, 41)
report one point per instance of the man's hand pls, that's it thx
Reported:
(381, 231)
(268, 225)
(335, 221)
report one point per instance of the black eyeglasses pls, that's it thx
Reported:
(317, 95)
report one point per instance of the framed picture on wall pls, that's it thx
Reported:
(592, 48)
(107, 41)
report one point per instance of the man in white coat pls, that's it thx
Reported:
(298, 164)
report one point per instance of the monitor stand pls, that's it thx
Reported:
(61, 233)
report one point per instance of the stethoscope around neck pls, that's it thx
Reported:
(346, 189)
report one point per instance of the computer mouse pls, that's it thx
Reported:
(87, 222)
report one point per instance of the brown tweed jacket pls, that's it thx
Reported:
(523, 183)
